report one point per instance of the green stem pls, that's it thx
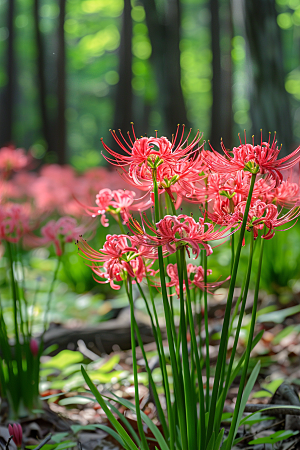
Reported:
(50, 293)
(18, 379)
(123, 231)
(237, 333)
(30, 322)
(189, 396)
(195, 350)
(248, 351)
(14, 292)
(237, 305)
(161, 363)
(177, 376)
(22, 294)
(151, 382)
(232, 252)
(207, 361)
(224, 336)
(134, 362)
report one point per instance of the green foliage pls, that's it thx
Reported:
(20, 362)
(274, 437)
(63, 372)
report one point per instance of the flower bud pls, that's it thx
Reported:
(34, 347)
(16, 432)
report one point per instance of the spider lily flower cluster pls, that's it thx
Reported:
(244, 190)
(37, 209)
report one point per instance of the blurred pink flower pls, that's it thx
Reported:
(195, 278)
(14, 221)
(16, 432)
(34, 347)
(53, 189)
(59, 232)
(13, 159)
(172, 272)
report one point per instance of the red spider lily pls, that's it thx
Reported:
(266, 215)
(16, 432)
(59, 232)
(14, 222)
(196, 281)
(105, 203)
(172, 161)
(224, 213)
(120, 256)
(174, 231)
(141, 151)
(231, 185)
(286, 194)
(260, 158)
(115, 202)
(172, 272)
(238, 186)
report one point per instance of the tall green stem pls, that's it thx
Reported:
(207, 361)
(14, 292)
(232, 252)
(121, 224)
(189, 395)
(162, 364)
(134, 363)
(248, 351)
(237, 333)
(177, 376)
(224, 336)
(50, 293)
(195, 350)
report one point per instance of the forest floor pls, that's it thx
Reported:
(68, 418)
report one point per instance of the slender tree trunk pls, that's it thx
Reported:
(269, 107)
(6, 126)
(221, 112)
(227, 128)
(61, 86)
(123, 103)
(175, 108)
(41, 77)
(164, 33)
(216, 112)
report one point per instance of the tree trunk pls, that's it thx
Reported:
(123, 103)
(164, 34)
(61, 87)
(270, 108)
(221, 111)
(41, 77)
(6, 126)
(175, 107)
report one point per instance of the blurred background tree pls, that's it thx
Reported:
(72, 69)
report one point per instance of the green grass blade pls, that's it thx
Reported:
(126, 423)
(159, 437)
(118, 427)
(219, 439)
(245, 396)
(114, 434)
(211, 443)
